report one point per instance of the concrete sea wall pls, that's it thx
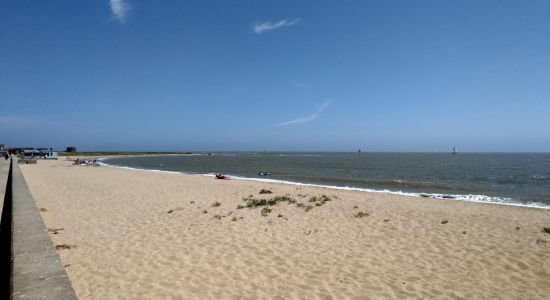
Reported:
(30, 265)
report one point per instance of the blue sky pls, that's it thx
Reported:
(276, 75)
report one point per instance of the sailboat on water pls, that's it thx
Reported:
(454, 150)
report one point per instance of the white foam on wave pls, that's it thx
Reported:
(470, 198)
(457, 197)
(101, 162)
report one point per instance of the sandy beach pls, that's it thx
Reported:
(130, 234)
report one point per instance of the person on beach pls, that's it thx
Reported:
(221, 176)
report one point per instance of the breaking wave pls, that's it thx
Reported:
(457, 197)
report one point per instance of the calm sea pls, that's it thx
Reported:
(520, 179)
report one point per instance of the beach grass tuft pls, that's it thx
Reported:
(240, 206)
(271, 202)
(265, 211)
(63, 247)
(264, 191)
(319, 201)
(444, 222)
(300, 205)
(326, 198)
(234, 219)
(216, 204)
(308, 208)
(546, 230)
(361, 215)
(282, 198)
(252, 202)
(55, 230)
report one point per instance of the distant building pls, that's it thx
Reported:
(30, 153)
(44, 153)
(71, 149)
(17, 150)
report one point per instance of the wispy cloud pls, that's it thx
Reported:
(120, 9)
(261, 27)
(306, 119)
(29, 121)
(299, 85)
(15, 120)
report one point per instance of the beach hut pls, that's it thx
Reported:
(30, 153)
(52, 154)
(47, 153)
(44, 153)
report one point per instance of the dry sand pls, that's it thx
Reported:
(126, 245)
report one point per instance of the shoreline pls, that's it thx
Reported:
(436, 196)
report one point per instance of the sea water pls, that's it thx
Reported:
(514, 179)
